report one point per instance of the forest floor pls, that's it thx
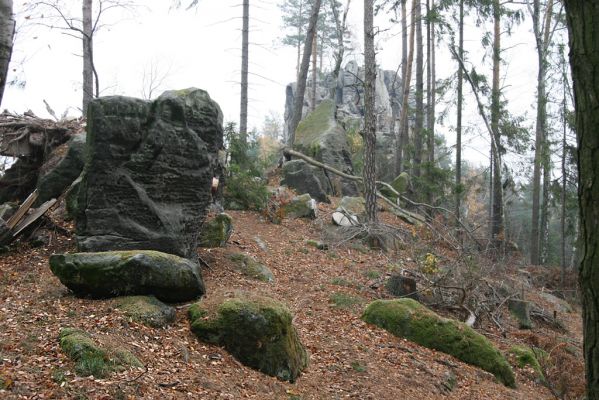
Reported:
(348, 358)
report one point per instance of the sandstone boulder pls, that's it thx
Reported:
(148, 172)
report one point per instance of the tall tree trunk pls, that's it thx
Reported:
(583, 20)
(402, 139)
(369, 171)
(88, 64)
(419, 94)
(564, 176)
(341, 28)
(299, 35)
(7, 32)
(314, 72)
(431, 95)
(497, 219)
(298, 99)
(245, 44)
(458, 155)
(539, 221)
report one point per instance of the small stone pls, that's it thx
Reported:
(250, 267)
(147, 310)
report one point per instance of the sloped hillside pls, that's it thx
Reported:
(326, 290)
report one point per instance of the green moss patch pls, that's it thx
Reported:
(525, 356)
(217, 231)
(409, 319)
(91, 358)
(257, 330)
(147, 310)
(250, 267)
(311, 128)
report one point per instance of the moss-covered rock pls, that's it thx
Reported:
(217, 231)
(322, 138)
(147, 310)
(525, 356)
(400, 184)
(300, 207)
(92, 358)
(136, 272)
(257, 330)
(304, 178)
(409, 319)
(250, 267)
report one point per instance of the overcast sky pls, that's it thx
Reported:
(201, 48)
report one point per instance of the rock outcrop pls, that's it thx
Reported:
(322, 138)
(257, 330)
(148, 172)
(121, 273)
(62, 169)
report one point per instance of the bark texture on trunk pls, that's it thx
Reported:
(7, 32)
(583, 25)
(369, 171)
(245, 43)
(314, 72)
(88, 64)
(419, 94)
(402, 135)
(298, 99)
(458, 154)
(497, 193)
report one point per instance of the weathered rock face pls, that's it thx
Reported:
(257, 330)
(121, 273)
(349, 96)
(147, 177)
(322, 138)
(304, 178)
(62, 169)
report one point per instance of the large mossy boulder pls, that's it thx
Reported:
(302, 206)
(92, 358)
(217, 231)
(148, 172)
(251, 267)
(322, 138)
(304, 178)
(257, 330)
(353, 205)
(120, 273)
(147, 310)
(411, 320)
(64, 166)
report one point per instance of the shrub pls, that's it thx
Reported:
(244, 191)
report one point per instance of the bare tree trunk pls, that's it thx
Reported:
(314, 72)
(564, 177)
(369, 172)
(299, 35)
(458, 156)
(431, 95)
(402, 139)
(245, 43)
(541, 160)
(298, 100)
(88, 63)
(419, 94)
(497, 219)
(341, 28)
(7, 32)
(583, 19)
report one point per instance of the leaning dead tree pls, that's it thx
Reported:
(29, 140)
